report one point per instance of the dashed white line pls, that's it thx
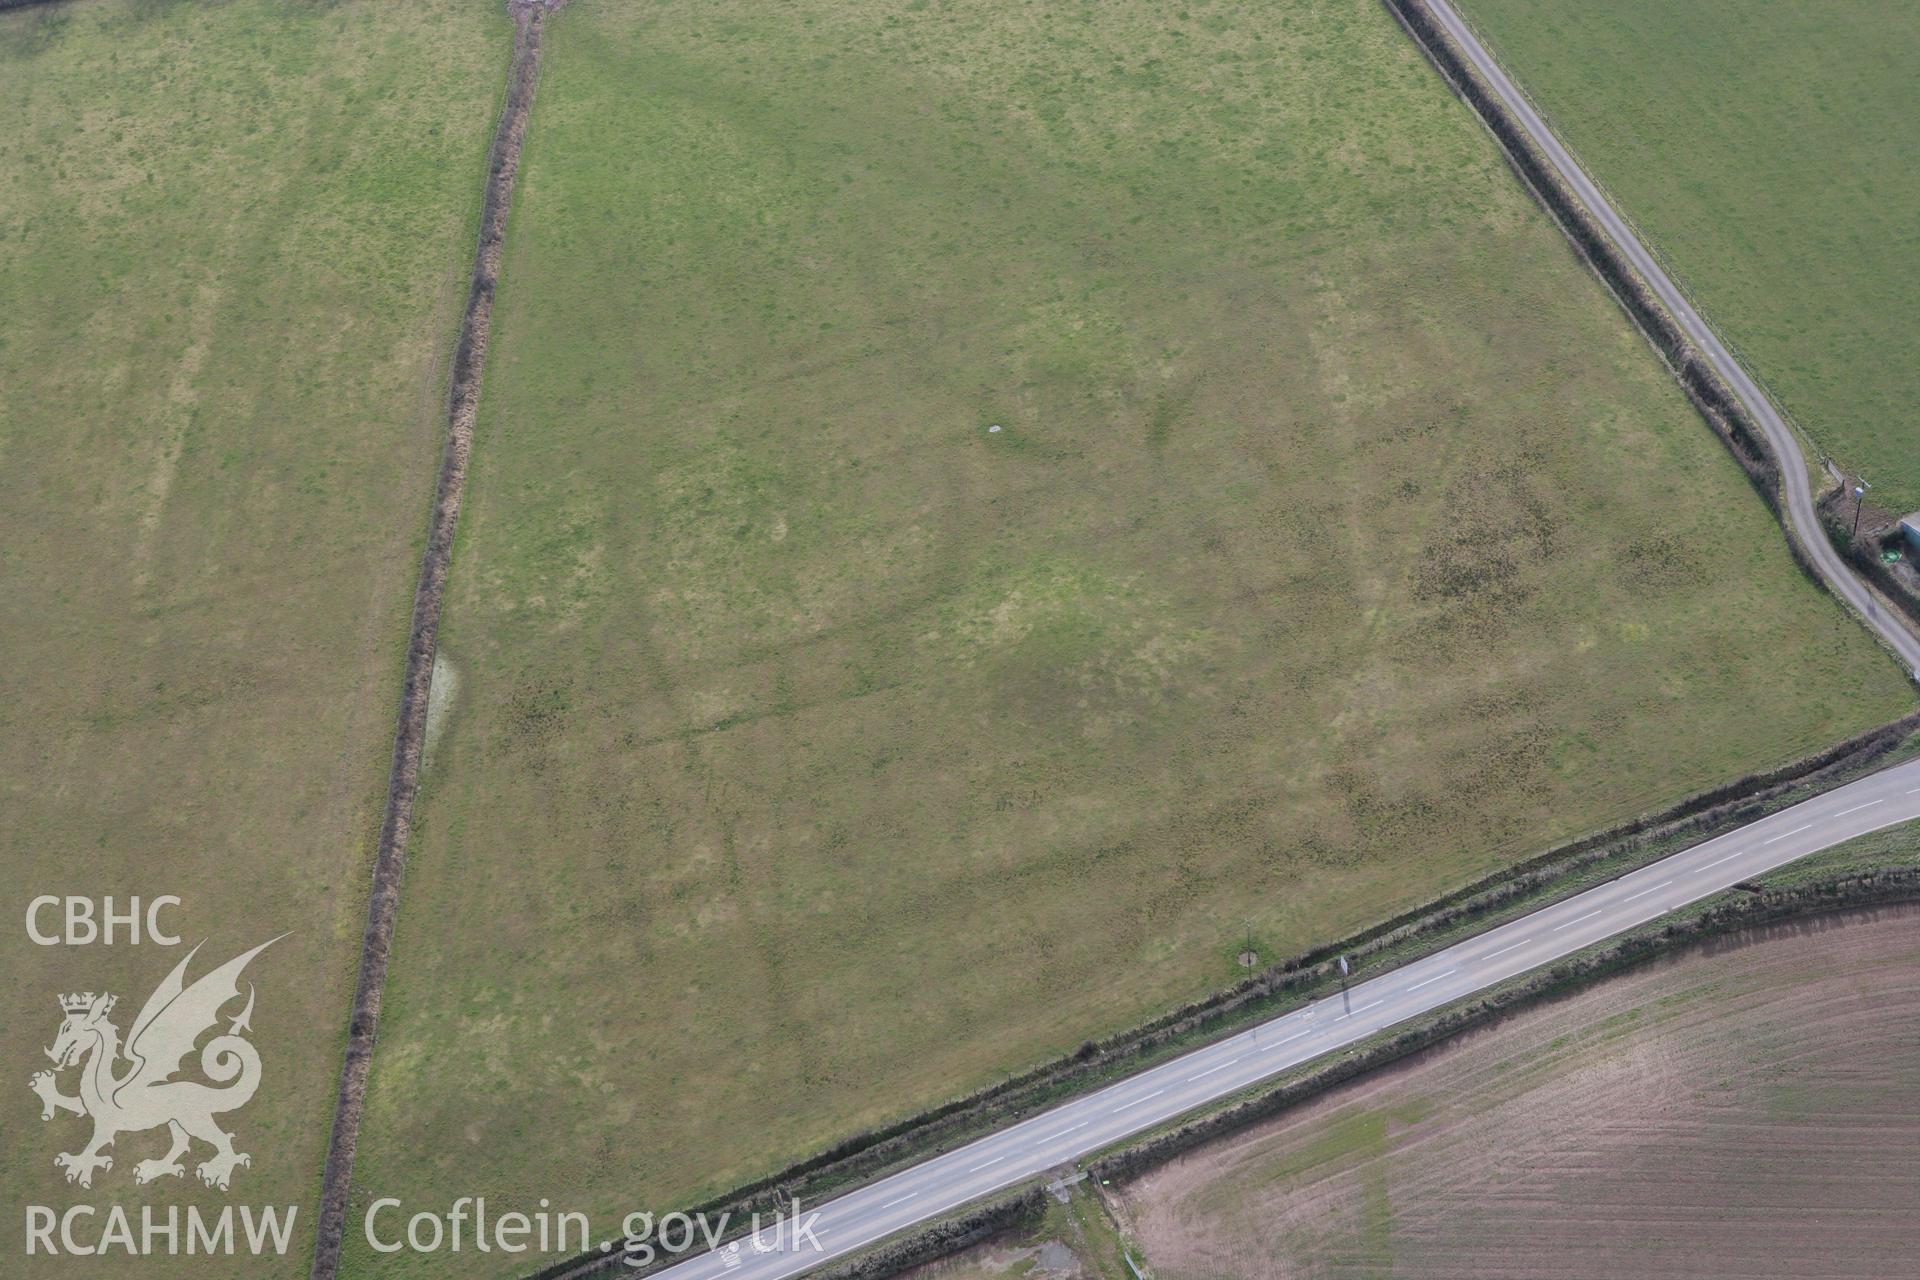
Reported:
(1289, 1040)
(984, 1163)
(1137, 1101)
(1435, 978)
(1644, 892)
(1857, 808)
(1502, 951)
(1717, 861)
(902, 1200)
(1643, 919)
(1070, 1128)
(1210, 1070)
(1577, 919)
(1362, 1009)
(1784, 834)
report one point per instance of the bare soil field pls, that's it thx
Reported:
(1751, 1108)
(233, 245)
(823, 752)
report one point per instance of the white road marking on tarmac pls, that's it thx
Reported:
(1643, 919)
(1644, 892)
(1857, 808)
(1717, 861)
(984, 1163)
(1435, 978)
(1502, 951)
(1362, 1009)
(902, 1200)
(1576, 920)
(1070, 1128)
(1784, 834)
(1289, 1040)
(1137, 1101)
(1210, 1070)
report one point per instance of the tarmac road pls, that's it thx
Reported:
(1054, 1139)
(1793, 464)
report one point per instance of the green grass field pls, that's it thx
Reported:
(821, 753)
(233, 242)
(1769, 156)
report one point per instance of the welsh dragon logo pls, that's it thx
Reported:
(144, 1094)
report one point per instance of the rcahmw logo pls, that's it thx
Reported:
(142, 1082)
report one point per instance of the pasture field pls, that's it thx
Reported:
(233, 242)
(821, 752)
(1745, 1109)
(1769, 155)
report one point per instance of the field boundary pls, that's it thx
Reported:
(1704, 386)
(1673, 272)
(978, 1223)
(1536, 881)
(1860, 553)
(1710, 395)
(403, 777)
(1730, 912)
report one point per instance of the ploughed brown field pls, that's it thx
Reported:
(1747, 1109)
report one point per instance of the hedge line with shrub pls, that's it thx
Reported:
(1730, 912)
